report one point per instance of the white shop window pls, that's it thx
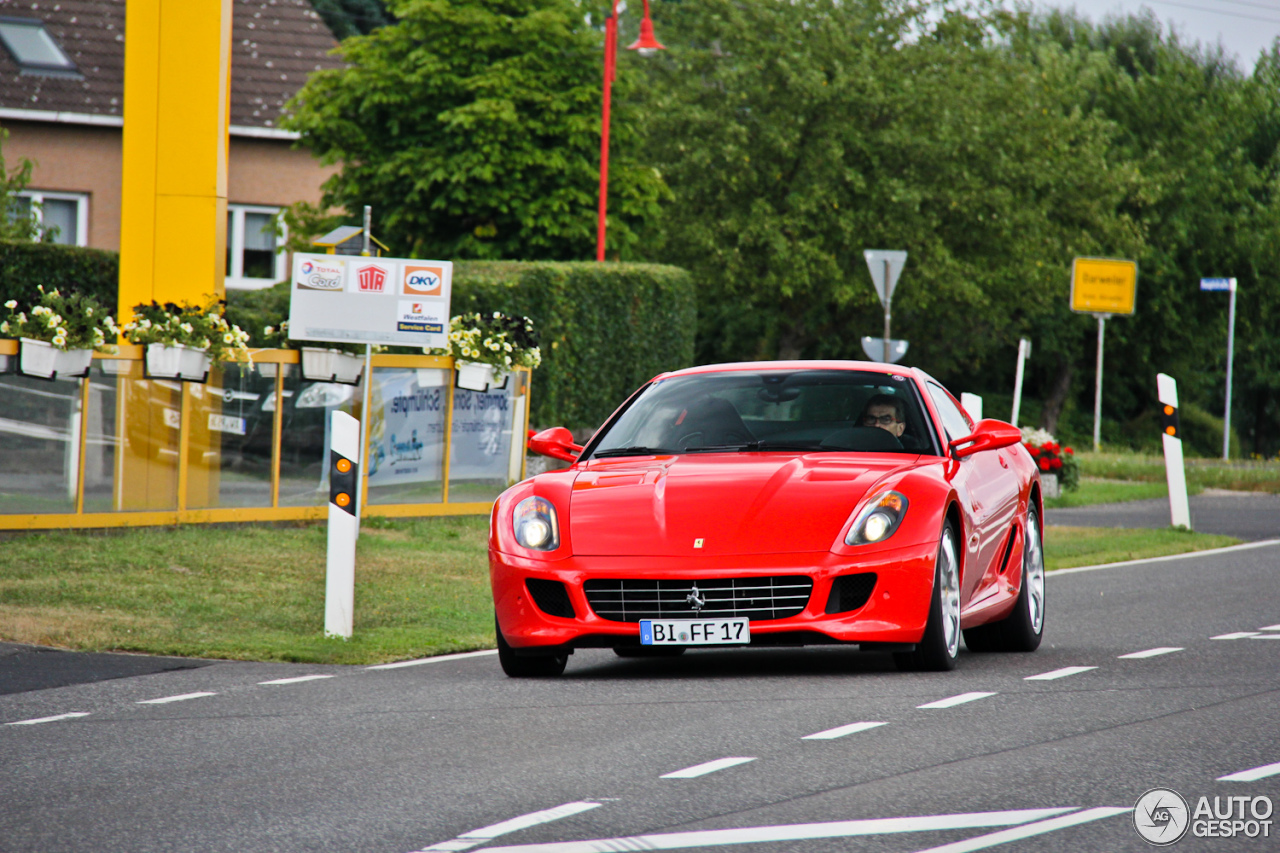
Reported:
(255, 252)
(64, 217)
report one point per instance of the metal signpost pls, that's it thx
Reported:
(885, 266)
(1228, 284)
(1102, 287)
(1024, 353)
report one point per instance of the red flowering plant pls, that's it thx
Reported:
(1051, 457)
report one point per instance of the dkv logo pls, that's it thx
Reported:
(423, 281)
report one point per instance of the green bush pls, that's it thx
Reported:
(605, 329)
(1201, 432)
(70, 269)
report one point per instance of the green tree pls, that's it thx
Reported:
(796, 135)
(472, 127)
(17, 218)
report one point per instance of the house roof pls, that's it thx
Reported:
(276, 44)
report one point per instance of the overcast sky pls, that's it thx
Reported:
(1245, 27)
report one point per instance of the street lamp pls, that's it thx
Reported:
(647, 44)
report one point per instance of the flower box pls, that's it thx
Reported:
(1050, 486)
(42, 359)
(331, 365)
(177, 361)
(474, 376)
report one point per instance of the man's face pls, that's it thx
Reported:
(885, 417)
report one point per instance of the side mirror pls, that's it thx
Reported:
(556, 442)
(988, 435)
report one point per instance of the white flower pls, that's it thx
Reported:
(506, 346)
(228, 338)
(146, 324)
(88, 312)
(52, 321)
(11, 304)
(4, 326)
(269, 330)
(496, 315)
(59, 341)
(187, 327)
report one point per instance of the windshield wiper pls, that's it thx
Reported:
(629, 451)
(752, 446)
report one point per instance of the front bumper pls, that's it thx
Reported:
(895, 613)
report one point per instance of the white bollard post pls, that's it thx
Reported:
(1171, 435)
(1024, 352)
(344, 524)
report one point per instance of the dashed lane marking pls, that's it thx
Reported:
(1266, 637)
(788, 832)
(982, 842)
(1253, 775)
(841, 731)
(476, 837)
(705, 768)
(54, 719)
(182, 698)
(956, 700)
(1054, 675)
(297, 679)
(1235, 635)
(1270, 628)
(1151, 653)
(436, 659)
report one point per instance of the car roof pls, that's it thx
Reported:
(870, 366)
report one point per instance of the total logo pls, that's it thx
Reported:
(371, 279)
(423, 281)
(1161, 816)
(320, 275)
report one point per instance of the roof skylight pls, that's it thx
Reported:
(33, 48)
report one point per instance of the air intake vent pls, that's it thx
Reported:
(849, 592)
(551, 597)
(756, 598)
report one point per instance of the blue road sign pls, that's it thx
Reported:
(1217, 284)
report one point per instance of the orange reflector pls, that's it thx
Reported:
(1170, 430)
(344, 465)
(343, 498)
(892, 502)
(1168, 410)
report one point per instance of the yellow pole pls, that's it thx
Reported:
(173, 227)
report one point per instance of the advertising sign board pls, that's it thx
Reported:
(349, 299)
(1103, 285)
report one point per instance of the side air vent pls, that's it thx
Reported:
(849, 592)
(551, 597)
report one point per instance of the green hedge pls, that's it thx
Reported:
(23, 266)
(605, 328)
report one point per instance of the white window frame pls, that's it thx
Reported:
(235, 241)
(37, 198)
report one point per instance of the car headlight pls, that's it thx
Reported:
(536, 525)
(879, 519)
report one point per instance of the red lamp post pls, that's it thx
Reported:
(646, 44)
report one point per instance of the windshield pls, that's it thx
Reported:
(806, 410)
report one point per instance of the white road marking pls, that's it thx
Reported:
(1235, 635)
(298, 679)
(956, 700)
(1208, 552)
(1059, 673)
(1151, 653)
(841, 731)
(184, 697)
(476, 837)
(788, 832)
(436, 659)
(1004, 836)
(705, 768)
(1266, 637)
(1270, 628)
(54, 719)
(1253, 775)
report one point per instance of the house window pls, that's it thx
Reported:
(34, 49)
(255, 252)
(63, 217)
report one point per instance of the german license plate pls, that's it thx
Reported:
(694, 632)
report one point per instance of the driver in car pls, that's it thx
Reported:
(888, 413)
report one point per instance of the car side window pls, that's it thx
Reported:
(953, 419)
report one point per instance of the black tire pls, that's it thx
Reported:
(649, 651)
(527, 666)
(940, 645)
(1023, 629)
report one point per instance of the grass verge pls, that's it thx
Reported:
(1095, 490)
(1237, 475)
(1065, 547)
(257, 592)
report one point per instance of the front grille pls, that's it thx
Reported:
(756, 598)
(849, 592)
(551, 597)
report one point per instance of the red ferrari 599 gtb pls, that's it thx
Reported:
(774, 503)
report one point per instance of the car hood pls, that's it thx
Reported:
(734, 503)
